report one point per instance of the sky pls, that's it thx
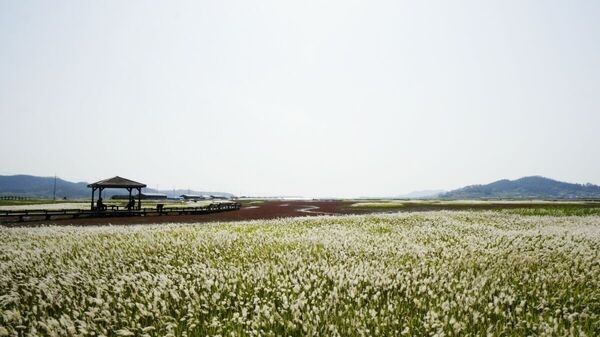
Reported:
(304, 98)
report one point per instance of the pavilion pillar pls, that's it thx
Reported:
(139, 198)
(93, 191)
(130, 206)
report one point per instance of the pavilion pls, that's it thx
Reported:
(117, 182)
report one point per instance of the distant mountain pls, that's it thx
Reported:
(43, 187)
(534, 187)
(421, 194)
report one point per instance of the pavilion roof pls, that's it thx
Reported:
(117, 182)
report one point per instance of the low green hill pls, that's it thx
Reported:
(534, 187)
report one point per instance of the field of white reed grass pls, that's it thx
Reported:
(425, 274)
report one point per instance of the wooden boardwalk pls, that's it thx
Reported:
(7, 217)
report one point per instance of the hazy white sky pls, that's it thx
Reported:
(312, 98)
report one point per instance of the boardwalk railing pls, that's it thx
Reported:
(45, 215)
(13, 197)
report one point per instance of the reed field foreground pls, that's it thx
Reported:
(461, 273)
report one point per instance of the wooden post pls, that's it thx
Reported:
(93, 190)
(129, 200)
(100, 197)
(139, 198)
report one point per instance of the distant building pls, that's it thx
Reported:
(144, 196)
(153, 196)
(222, 197)
(174, 197)
(193, 197)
